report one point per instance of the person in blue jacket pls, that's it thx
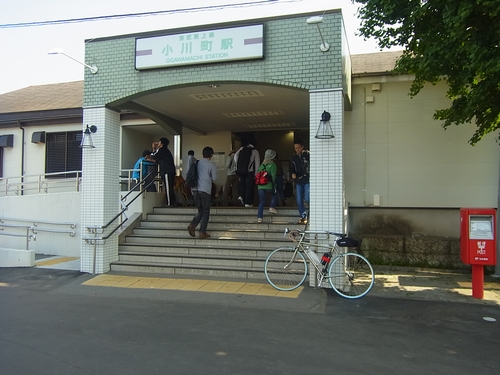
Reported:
(141, 169)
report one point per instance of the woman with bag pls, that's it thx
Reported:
(266, 184)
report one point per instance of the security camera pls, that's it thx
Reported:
(314, 20)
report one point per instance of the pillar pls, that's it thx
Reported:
(327, 206)
(100, 188)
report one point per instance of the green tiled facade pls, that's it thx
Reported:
(289, 44)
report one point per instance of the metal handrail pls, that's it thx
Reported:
(34, 228)
(27, 235)
(99, 229)
(39, 182)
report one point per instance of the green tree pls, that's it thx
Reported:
(452, 40)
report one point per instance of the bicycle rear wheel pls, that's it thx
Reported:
(285, 269)
(351, 275)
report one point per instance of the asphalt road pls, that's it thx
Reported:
(52, 324)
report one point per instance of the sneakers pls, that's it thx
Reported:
(302, 221)
(259, 220)
(204, 236)
(191, 230)
(248, 205)
(272, 210)
(241, 201)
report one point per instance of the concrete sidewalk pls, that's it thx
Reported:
(432, 285)
(390, 282)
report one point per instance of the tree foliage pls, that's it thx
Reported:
(452, 40)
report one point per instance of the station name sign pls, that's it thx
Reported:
(200, 47)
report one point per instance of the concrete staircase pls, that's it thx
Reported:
(238, 246)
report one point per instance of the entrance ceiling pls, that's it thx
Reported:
(237, 107)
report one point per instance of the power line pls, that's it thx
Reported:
(129, 15)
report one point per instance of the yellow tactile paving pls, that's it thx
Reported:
(194, 285)
(232, 287)
(291, 294)
(208, 286)
(250, 288)
(177, 284)
(51, 262)
(212, 286)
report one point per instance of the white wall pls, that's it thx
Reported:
(55, 207)
(410, 160)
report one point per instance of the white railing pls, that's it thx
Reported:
(29, 228)
(56, 183)
(40, 183)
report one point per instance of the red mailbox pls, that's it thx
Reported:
(478, 243)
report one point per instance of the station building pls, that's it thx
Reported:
(388, 162)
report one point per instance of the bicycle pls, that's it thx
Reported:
(349, 274)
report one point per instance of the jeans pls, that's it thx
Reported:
(202, 202)
(302, 193)
(262, 200)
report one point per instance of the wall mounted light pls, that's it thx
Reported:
(324, 129)
(316, 20)
(57, 51)
(87, 137)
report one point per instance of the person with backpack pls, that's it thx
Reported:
(247, 160)
(202, 193)
(299, 169)
(266, 184)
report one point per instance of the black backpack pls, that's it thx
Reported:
(192, 175)
(243, 165)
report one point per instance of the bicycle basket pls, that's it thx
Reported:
(347, 242)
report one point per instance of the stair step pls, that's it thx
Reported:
(214, 233)
(194, 270)
(238, 246)
(139, 248)
(191, 259)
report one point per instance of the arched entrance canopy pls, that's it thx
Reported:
(221, 106)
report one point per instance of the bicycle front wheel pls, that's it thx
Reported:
(351, 275)
(285, 268)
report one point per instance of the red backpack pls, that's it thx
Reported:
(262, 177)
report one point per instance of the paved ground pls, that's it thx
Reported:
(65, 322)
(390, 282)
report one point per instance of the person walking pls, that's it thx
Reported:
(165, 160)
(247, 160)
(231, 184)
(268, 166)
(299, 169)
(202, 193)
(191, 160)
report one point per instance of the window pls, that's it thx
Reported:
(62, 153)
(1, 162)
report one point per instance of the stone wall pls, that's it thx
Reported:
(414, 251)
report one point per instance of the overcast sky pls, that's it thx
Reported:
(24, 58)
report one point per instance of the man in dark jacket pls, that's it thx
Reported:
(165, 160)
(299, 169)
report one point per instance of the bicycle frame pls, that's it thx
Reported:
(301, 245)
